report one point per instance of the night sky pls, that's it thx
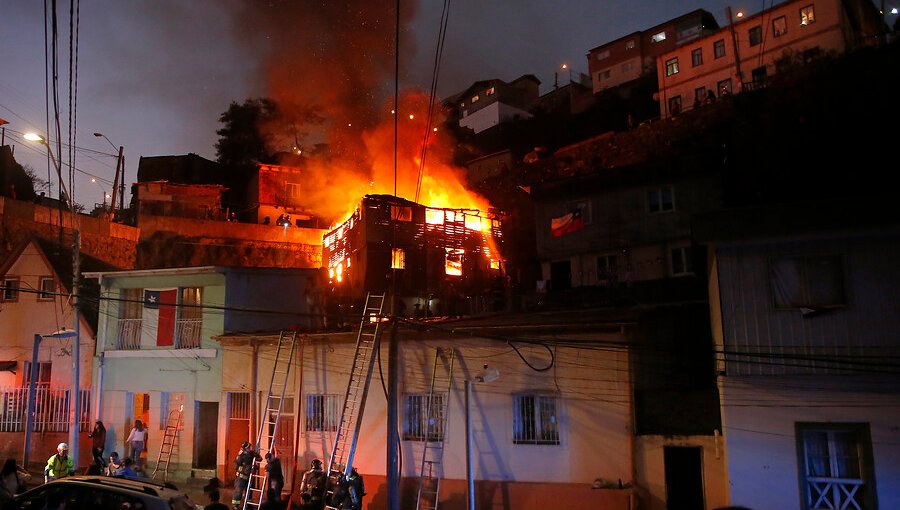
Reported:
(154, 75)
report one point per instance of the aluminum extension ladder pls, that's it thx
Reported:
(438, 400)
(268, 425)
(367, 341)
(170, 440)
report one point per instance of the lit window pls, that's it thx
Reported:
(10, 289)
(755, 36)
(629, 45)
(398, 258)
(489, 92)
(535, 419)
(475, 99)
(807, 15)
(779, 26)
(660, 37)
(48, 288)
(603, 55)
(719, 48)
(672, 66)
(661, 200)
(680, 259)
(724, 87)
(697, 57)
(835, 465)
(434, 216)
(323, 412)
(453, 262)
(807, 282)
(423, 417)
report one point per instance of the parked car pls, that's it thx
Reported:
(106, 493)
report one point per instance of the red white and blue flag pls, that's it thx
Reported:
(159, 316)
(567, 223)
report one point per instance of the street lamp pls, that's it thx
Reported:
(29, 418)
(118, 185)
(76, 275)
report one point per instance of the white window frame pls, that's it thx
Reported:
(834, 462)
(46, 294)
(322, 412)
(658, 37)
(292, 190)
(416, 423)
(672, 66)
(681, 260)
(11, 287)
(535, 418)
(779, 26)
(656, 200)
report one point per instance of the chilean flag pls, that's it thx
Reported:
(567, 223)
(159, 316)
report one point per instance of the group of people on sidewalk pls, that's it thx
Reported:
(61, 464)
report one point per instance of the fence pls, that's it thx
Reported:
(52, 411)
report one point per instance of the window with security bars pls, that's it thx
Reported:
(423, 417)
(535, 419)
(835, 466)
(238, 406)
(323, 412)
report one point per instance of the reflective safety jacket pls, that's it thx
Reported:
(58, 466)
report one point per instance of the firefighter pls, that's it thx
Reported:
(352, 491)
(312, 487)
(243, 465)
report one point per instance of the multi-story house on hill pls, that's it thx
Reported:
(38, 334)
(158, 349)
(488, 103)
(630, 57)
(803, 300)
(747, 53)
(613, 230)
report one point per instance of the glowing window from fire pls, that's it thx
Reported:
(473, 222)
(398, 258)
(495, 264)
(434, 216)
(401, 213)
(453, 262)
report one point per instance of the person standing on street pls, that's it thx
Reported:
(98, 438)
(59, 465)
(137, 440)
(275, 476)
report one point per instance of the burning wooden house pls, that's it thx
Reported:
(441, 261)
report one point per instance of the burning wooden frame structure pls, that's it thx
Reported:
(446, 261)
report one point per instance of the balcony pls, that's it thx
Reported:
(129, 334)
(187, 333)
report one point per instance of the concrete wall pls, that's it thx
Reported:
(762, 443)
(112, 243)
(650, 469)
(593, 413)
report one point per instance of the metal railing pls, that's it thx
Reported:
(187, 333)
(52, 411)
(129, 334)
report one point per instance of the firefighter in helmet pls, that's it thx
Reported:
(312, 487)
(244, 466)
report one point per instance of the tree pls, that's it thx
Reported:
(241, 139)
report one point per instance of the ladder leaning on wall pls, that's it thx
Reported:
(268, 424)
(437, 401)
(169, 442)
(367, 340)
